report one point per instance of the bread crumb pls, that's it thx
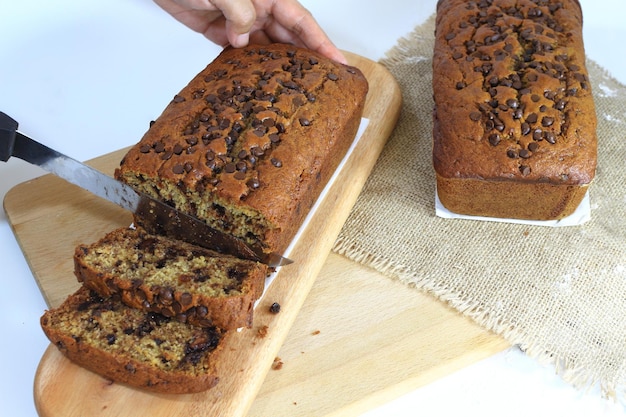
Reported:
(262, 332)
(316, 332)
(277, 364)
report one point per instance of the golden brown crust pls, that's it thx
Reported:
(157, 274)
(513, 104)
(249, 144)
(77, 330)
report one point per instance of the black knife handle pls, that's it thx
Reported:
(8, 127)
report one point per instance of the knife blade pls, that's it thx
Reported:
(154, 215)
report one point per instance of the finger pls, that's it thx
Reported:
(299, 20)
(240, 16)
(216, 32)
(196, 19)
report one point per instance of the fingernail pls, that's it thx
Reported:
(241, 40)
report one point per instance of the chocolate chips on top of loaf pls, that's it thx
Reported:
(243, 116)
(516, 58)
(514, 119)
(251, 141)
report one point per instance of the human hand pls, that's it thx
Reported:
(239, 22)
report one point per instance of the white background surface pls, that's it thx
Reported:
(87, 77)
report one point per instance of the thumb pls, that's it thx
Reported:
(240, 15)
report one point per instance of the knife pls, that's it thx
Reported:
(154, 215)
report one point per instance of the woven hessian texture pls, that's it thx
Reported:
(559, 293)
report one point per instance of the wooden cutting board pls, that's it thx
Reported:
(346, 339)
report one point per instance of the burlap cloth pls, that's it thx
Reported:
(559, 293)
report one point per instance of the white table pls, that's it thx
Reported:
(91, 67)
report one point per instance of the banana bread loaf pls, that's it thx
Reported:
(127, 345)
(173, 278)
(514, 119)
(251, 141)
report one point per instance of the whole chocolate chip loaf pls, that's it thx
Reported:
(173, 278)
(127, 345)
(251, 141)
(514, 118)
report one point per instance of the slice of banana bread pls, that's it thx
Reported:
(126, 345)
(162, 275)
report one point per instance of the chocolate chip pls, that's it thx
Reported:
(159, 147)
(230, 168)
(533, 146)
(276, 162)
(304, 121)
(178, 99)
(111, 338)
(524, 169)
(460, 85)
(257, 151)
(145, 148)
(241, 166)
(253, 183)
(475, 116)
(178, 169)
(494, 139)
(186, 299)
(511, 153)
(560, 105)
(275, 308)
(547, 121)
(523, 153)
(332, 77)
(512, 103)
(201, 311)
(166, 296)
(550, 137)
(188, 167)
(532, 118)
(535, 98)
